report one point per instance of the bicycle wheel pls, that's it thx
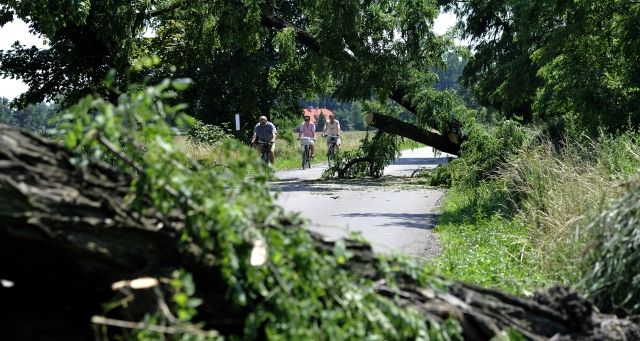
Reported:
(264, 155)
(305, 155)
(331, 154)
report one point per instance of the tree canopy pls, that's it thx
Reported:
(574, 63)
(247, 57)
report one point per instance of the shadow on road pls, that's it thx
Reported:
(421, 161)
(421, 221)
(338, 185)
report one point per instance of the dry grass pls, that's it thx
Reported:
(559, 195)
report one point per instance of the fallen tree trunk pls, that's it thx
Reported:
(446, 143)
(66, 236)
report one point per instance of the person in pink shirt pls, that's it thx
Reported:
(308, 129)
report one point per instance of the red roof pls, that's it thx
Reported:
(315, 113)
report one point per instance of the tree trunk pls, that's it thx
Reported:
(447, 143)
(66, 236)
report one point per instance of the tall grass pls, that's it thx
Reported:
(554, 195)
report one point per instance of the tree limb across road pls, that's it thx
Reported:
(395, 126)
(67, 235)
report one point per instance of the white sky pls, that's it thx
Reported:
(9, 33)
(18, 30)
(444, 21)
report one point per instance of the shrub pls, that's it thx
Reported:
(613, 281)
(379, 150)
(207, 133)
(484, 152)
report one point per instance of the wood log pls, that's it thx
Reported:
(395, 126)
(66, 235)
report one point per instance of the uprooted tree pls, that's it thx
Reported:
(154, 244)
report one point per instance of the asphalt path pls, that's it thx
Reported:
(393, 212)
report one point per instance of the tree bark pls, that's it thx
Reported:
(67, 234)
(446, 143)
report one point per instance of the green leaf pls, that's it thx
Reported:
(70, 140)
(181, 84)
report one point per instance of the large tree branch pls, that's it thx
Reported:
(391, 125)
(273, 21)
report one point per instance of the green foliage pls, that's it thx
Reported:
(613, 279)
(527, 215)
(207, 133)
(380, 150)
(286, 129)
(617, 155)
(486, 149)
(449, 76)
(242, 63)
(34, 118)
(296, 291)
(439, 176)
(570, 62)
(84, 42)
(490, 251)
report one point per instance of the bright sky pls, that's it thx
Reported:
(444, 21)
(9, 33)
(18, 30)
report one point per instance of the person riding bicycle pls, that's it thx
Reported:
(308, 129)
(265, 131)
(332, 128)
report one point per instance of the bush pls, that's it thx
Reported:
(439, 176)
(381, 150)
(613, 281)
(485, 151)
(207, 133)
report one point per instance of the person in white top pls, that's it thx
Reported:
(332, 128)
(308, 129)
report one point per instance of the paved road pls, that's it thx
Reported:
(393, 213)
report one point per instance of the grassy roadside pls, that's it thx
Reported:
(288, 153)
(287, 149)
(529, 225)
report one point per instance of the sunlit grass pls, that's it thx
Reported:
(558, 194)
(288, 154)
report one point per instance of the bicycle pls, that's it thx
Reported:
(306, 151)
(264, 151)
(333, 148)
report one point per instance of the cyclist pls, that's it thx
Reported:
(265, 131)
(332, 128)
(308, 129)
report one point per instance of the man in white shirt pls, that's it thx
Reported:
(265, 131)
(332, 129)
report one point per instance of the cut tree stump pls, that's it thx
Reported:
(66, 235)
